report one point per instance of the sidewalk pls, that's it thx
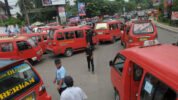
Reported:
(166, 27)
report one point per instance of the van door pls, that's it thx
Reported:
(111, 30)
(80, 39)
(116, 72)
(8, 51)
(136, 76)
(118, 32)
(69, 40)
(25, 50)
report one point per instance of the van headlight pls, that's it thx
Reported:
(39, 52)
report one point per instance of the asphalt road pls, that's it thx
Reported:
(97, 86)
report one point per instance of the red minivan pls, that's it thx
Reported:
(20, 81)
(40, 38)
(20, 48)
(66, 41)
(108, 30)
(136, 32)
(146, 73)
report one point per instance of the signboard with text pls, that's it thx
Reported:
(53, 2)
(156, 2)
(62, 14)
(81, 9)
(174, 16)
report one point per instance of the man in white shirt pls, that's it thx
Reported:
(72, 93)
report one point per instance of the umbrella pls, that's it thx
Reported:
(37, 23)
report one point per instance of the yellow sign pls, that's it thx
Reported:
(16, 88)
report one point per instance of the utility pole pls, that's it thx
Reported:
(26, 14)
(7, 8)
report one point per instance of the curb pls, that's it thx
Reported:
(165, 28)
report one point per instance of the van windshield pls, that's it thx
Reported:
(32, 42)
(143, 28)
(51, 34)
(101, 26)
(16, 81)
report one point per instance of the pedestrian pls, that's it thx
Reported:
(89, 53)
(89, 36)
(8, 30)
(60, 74)
(16, 30)
(71, 92)
(28, 29)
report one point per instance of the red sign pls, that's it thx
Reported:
(174, 16)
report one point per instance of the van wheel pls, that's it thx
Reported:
(68, 52)
(114, 39)
(117, 97)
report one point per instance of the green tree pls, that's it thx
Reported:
(130, 6)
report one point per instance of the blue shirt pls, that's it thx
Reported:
(27, 29)
(8, 31)
(16, 30)
(60, 74)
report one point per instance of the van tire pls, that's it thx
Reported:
(117, 97)
(68, 52)
(114, 39)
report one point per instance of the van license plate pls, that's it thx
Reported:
(143, 39)
(30, 97)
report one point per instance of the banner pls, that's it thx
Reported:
(156, 2)
(165, 8)
(62, 14)
(81, 9)
(53, 2)
(174, 16)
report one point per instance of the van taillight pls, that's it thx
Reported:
(156, 35)
(130, 39)
(42, 89)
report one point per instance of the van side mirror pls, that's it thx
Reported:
(111, 63)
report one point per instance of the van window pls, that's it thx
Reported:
(23, 45)
(32, 42)
(51, 34)
(114, 26)
(154, 89)
(110, 27)
(119, 63)
(39, 38)
(101, 26)
(45, 37)
(69, 35)
(60, 36)
(6, 47)
(143, 28)
(79, 34)
(17, 80)
(118, 26)
(138, 72)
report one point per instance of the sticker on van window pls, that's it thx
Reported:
(16, 79)
(148, 87)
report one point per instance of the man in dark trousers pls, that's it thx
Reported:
(60, 74)
(89, 55)
(89, 36)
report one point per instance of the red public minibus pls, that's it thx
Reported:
(146, 73)
(136, 32)
(20, 81)
(40, 38)
(108, 30)
(20, 47)
(68, 40)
